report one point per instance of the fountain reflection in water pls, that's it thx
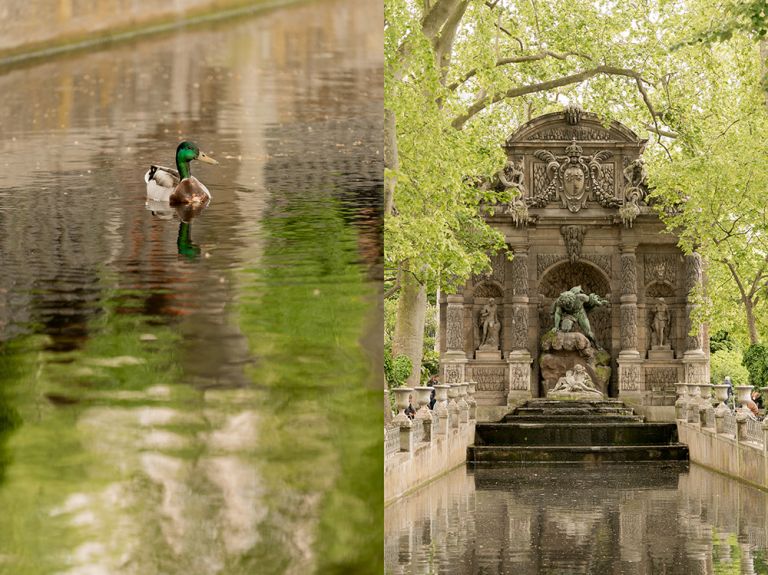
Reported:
(564, 519)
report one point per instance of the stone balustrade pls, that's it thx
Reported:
(433, 442)
(731, 442)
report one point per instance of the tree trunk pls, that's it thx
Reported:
(391, 161)
(437, 320)
(751, 325)
(764, 60)
(409, 323)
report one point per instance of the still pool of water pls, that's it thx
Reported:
(202, 398)
(611, 519)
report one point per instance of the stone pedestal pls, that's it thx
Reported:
(519, 377)
(661, 353)
(696, 366)
(481, 354)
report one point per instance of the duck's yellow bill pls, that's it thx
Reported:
(208, 160)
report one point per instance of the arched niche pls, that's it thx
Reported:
(565, 275)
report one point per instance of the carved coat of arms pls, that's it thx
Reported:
(572, 177)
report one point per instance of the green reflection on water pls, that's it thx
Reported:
(312, 299)
(119, 467)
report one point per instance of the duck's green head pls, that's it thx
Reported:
(185, 153)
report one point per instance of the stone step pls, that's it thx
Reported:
(573, 418)
(572, 434)
(582, 411)
(503, 455)
(559, 402)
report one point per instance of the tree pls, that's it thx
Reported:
(460, 76)
(713, 189)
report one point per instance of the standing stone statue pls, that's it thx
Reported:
(660, 324)
(571, 308)
(489, 326)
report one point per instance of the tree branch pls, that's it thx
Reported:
(519, 60)
(481, 103)
(660, 131)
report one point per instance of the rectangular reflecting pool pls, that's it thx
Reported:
(639, 518)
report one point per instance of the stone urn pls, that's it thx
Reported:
(422, 397)
(743, 394)
(441, 398)
(401, 400)
(721, 395)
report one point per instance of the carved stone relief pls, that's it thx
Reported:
(519, 377)
(454, 328)
(571, 132)
(573, 236)
(519, 335)
(545, 261)
(520, 274)
(693, 271)
(628, 274)
(490, 378)
(453, 374)
(660, 268)
(573, 177)
(628, 326)
(695, 372)
(629, 377)
(657, 376)
(498, 268)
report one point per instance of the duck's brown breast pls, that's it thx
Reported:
(186, 192)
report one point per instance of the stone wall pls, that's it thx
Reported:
(434, 442)
(28, 26)
(728, 447)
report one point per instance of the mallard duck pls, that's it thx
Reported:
(178, 187)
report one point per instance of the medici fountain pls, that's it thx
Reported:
(592, 296)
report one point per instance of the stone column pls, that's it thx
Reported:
(694, 358)
(455, 358)
(519, 358)
(631, 385)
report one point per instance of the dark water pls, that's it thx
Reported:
(200, 402)
(609, 519)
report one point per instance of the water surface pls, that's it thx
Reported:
(201, 398)
(612, 519)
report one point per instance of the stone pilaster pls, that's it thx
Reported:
(455, 358)
(694, 358)
(631, 385)
(628, 302)
(518, 336)
(519, 358)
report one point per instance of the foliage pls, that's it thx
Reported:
(728, 362)
(429, 364)
(720, 340)
(749, 16)
(396, 369)
(756, 362)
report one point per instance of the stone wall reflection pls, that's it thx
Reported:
(649, 520)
